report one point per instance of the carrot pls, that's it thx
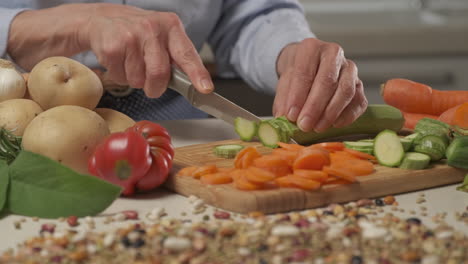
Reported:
(461, 116)
(304, 183)
(413, 97)
(267, 161)
(335, 181)
(447, 116)
(258, 175)
(242, 183)
(284, 181)
(288, 155)
(411, 119)
(358, 167)
(202, 170)
(339, 172)
(331, 146)
(341, 155)
(216, 178)
(311, 159)
(316, 175)
(251, 152)
(360, 154)
(288, 146)
(187, 171)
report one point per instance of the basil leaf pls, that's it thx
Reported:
(45, 188)
(4, 180)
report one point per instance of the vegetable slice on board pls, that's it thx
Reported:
(45, 188)
(4, 181)
(227, 151)
(388, 148)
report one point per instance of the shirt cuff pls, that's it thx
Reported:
(6, 17)
(274, 31)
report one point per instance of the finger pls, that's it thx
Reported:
(112, 57)
(323, 88)
(304, 71)
(281, 95)
(135, 66)
(355, 108)
(342, 97)
(157, 68)
(186, 57)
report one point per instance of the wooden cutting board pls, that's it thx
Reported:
(384, 181)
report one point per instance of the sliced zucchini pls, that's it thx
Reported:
(269, 134)
(407, 144)
(227, 151)
(367, 140)
(358, 144)
(388, 148)
(415, 161)
(457, 152)
(434, 146)
(246, 129)
(284, 129)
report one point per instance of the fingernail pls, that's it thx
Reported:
(207, 85)
(305, 124)
(293, 113)
(321, 126)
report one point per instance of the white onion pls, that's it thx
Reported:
(12, 84)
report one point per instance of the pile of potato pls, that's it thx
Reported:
(58, 117)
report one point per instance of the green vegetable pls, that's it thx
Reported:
(428, 126)
(376, 118)
(434, 146)
(4, 180)
(246, 129)
(10, 145)
(457, 152)
(388, 148)
(415, 161)
(407, 144)
(270, 134)
(228, 151)
(45, 188)
(464, 186)
(362, 146)
(430, 122)
(367, 140)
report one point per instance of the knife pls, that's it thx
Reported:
(212, 103)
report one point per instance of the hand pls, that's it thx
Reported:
(136, 46)
(318, 87)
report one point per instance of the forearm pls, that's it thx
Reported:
(38, 34)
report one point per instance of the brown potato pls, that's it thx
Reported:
(16, 114)
(116, 120)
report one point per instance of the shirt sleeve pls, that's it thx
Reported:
(6, 16)
(250, 35)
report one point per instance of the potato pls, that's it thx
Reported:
(68, 134)
(62, 81)
(16, 114)
(116, 120)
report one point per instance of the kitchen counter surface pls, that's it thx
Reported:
(438, 201)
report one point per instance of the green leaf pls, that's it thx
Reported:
(464, 186)
(45, 188)
(4, 180)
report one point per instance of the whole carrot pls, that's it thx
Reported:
(414, 97)
(411, 119)
(447, 116)
(460, 118)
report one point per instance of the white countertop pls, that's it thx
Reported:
(186, 132)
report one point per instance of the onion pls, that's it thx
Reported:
(12, 83)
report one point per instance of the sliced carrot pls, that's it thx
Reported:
(311, 159)
(258, 175)
(249, 158)
(238, 160)
(288, 146)
(280, 171)
(187, 171)
(202, 170)
(242, 183)
(338, 156)
(266, 161)
(304, 183)
(360, 154)
(284, 181)
(335, 181)
(288, 155)
(316, 175)
(216, 178)
(340, 173)
(237, 173)
(228, 170)
(357, 167)
(331, 146)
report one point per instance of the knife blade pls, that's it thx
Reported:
(212, 103)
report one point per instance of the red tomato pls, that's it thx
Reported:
(161, 150)
(123, 158)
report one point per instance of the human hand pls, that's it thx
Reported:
(318, 87)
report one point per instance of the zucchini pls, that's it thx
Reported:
(457, 152)
(227, 151)
(283, 128)
(367, 140)
(434, 146)
(430, 122)
(376, 118)
(428, 126)
(269, 134)
(246, 129)
(407, 144)
(388, 148)
(415, 161)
